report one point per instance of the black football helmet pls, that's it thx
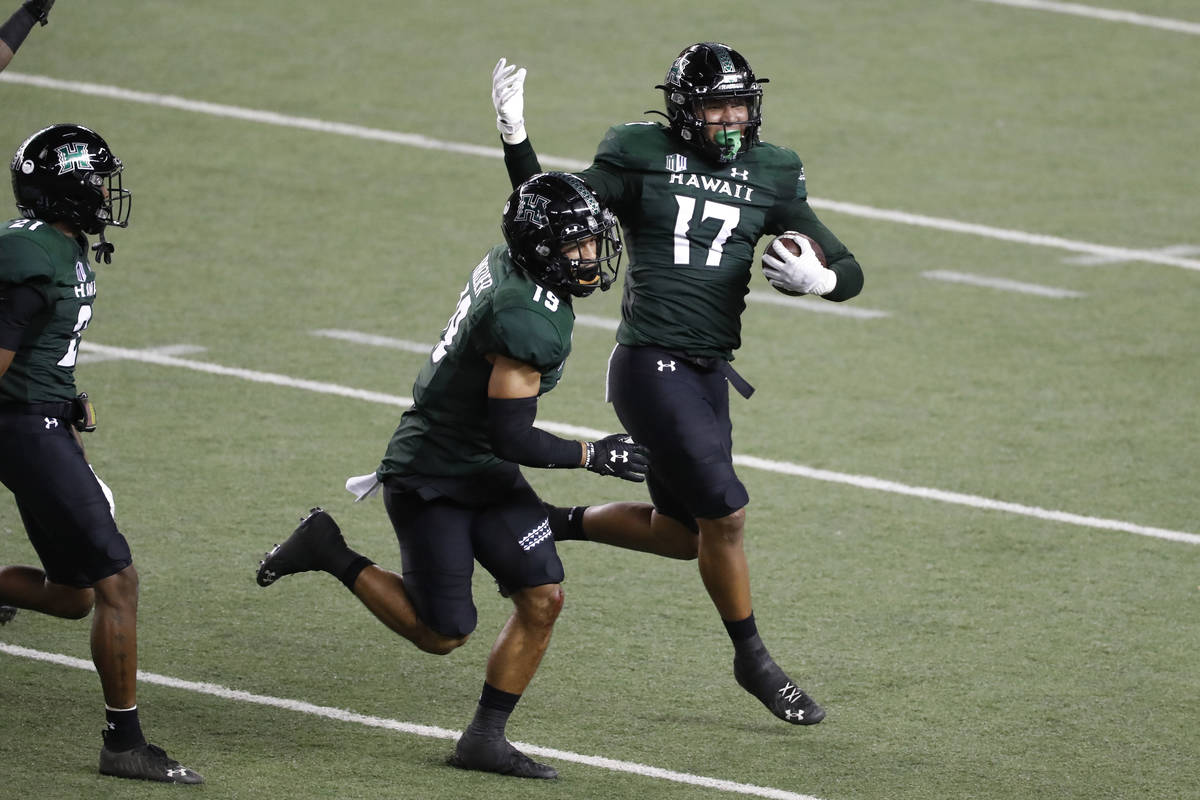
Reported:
(67, 173)
(712, 70)
(548, 213)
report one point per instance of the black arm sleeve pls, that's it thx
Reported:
(521, 162)
(510, 427)
(19, 303)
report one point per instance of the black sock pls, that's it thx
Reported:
(744, 635)
(348, 573)
(566, 523)
(492, 713)
(124, 731)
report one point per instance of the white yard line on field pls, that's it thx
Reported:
(753, 462)
(1004, 284)
(1106, 14)
(358, 337)
(167, 350)
(425, 142)
(341, 715)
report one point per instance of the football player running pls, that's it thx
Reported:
(450, 478)
(68, 186)
(694, 197)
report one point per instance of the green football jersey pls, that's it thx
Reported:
(503, 311)
(34, 253)
(691, 227)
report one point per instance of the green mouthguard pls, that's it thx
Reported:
(732, 139)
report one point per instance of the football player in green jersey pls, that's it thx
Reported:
(68, 186)
(450, 477)
(694, 197)
(18, 26)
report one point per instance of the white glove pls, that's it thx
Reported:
(797, 274)
(508, 96)
(363, 486)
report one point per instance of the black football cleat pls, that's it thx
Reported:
(146, 762)
(6, 614)
(305, 550)
(499, 756)
(762, 677)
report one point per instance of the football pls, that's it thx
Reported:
(789, 241)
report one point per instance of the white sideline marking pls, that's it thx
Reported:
(357, 337)
(999, 283)
(592, 321)
(167, 350)
(1004, 234)
(1175, 250)
(813, 304)
(1106, 14)
(416, 140)
(341, 715)
(779, 467)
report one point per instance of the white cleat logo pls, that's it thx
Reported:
(181, 772)
(793, 715)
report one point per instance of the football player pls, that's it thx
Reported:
(18, 26)
(450, 477)
(694, 197)
(68, 186)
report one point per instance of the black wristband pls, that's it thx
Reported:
(13, 32)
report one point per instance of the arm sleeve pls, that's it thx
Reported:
(19, 303)
(513, 437)
(521, 162)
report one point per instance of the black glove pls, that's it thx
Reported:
(39, 9)
(618, 455)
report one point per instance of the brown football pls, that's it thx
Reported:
(789, 241)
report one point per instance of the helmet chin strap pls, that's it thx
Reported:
(103, 249)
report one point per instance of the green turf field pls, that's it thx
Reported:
(974, 532)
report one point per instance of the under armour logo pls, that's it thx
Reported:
(740, 174)
(667, 365)
(791, 715)
(51, 422)
(791, 692)
(179, 772)
(619, 455)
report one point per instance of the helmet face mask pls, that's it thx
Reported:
(561, 236)
(66, 173)
(702, 74)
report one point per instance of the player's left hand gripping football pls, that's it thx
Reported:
(797, 274)
(508, 96)
(620, 456)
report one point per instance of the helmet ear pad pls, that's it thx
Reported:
(706, 71)
(67, 173)
(548, 213)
